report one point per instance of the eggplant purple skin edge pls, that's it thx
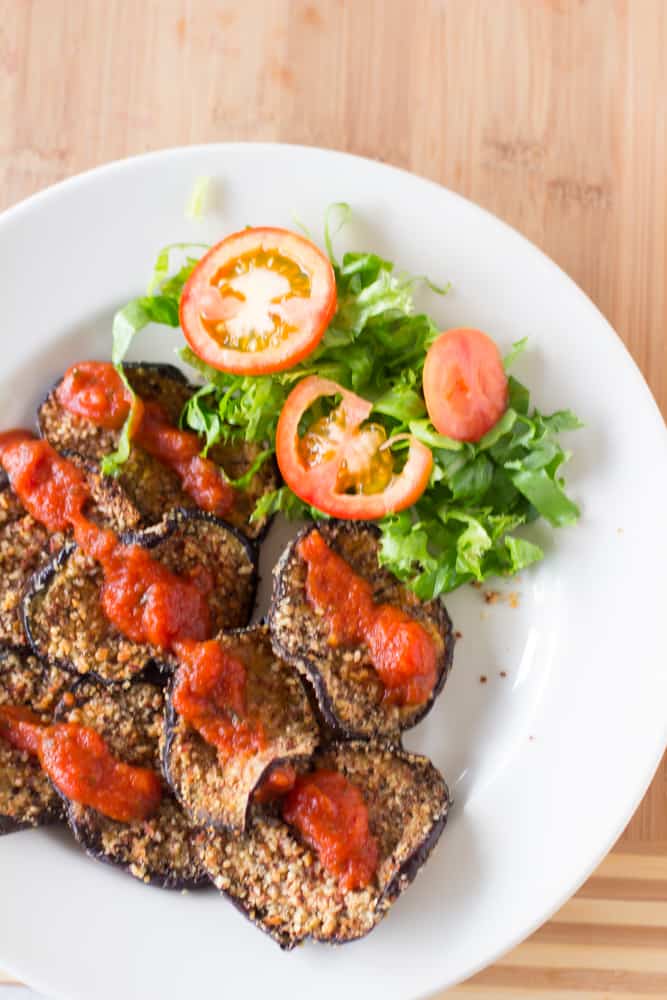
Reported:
(306, 666)
(149, 538)
(93, 849)
(10, 825)
(397, 885)
(92, 846)
(49, 817)
(25, 647)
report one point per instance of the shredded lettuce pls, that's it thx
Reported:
(464, 527)
(198, 198)
(159, 305)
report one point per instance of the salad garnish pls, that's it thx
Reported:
(495, 460)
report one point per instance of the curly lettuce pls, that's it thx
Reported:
(465, 527)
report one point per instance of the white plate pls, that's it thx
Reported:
(546, 765)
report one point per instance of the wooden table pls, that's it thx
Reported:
(550, 113)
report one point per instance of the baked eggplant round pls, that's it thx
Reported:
(150, 485)
(160, 850)
(62, 612)
(25, 545)
(27, 798)
(219, 794)
(348, 690)
(278, 881)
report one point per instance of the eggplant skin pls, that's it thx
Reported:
(149, 484)
(84, 825)
(82, 641)
(347, 688)
(158, 851)
(278, 882)
(8, 825)
(218, 795)
(27, 799)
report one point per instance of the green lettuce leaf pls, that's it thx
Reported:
(127, 322)
(467, 526)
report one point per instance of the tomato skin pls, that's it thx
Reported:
(316, 484)
(465, 386)
(310, 314)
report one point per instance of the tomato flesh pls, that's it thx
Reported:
(258, 302)
(341, 465)
(465, 386)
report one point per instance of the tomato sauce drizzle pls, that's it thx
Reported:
(95, 391)
(331, 815)
(149, 603)
(51, 488)
(210, 696)
(141, 596)
(80, 764)
(400, 648)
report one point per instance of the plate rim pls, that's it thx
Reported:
(34, 201)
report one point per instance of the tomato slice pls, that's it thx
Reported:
(465, 386)
(258, 302)
(340, 452)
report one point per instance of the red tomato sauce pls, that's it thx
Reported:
(210, 696)
(148, 603)
(141, 596)
(331, 815)
(50, 488)
(21, 728)
(400, 648)
(95, 391)
(80, 764)
(277, 783)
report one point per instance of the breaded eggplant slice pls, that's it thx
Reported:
(277, 880)
(220, 794)
(348, 690)
(62, 611)
(27, 798)
(25, 545)
(159, 850)
(151, 486)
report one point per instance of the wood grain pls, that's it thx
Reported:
(550, 113)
